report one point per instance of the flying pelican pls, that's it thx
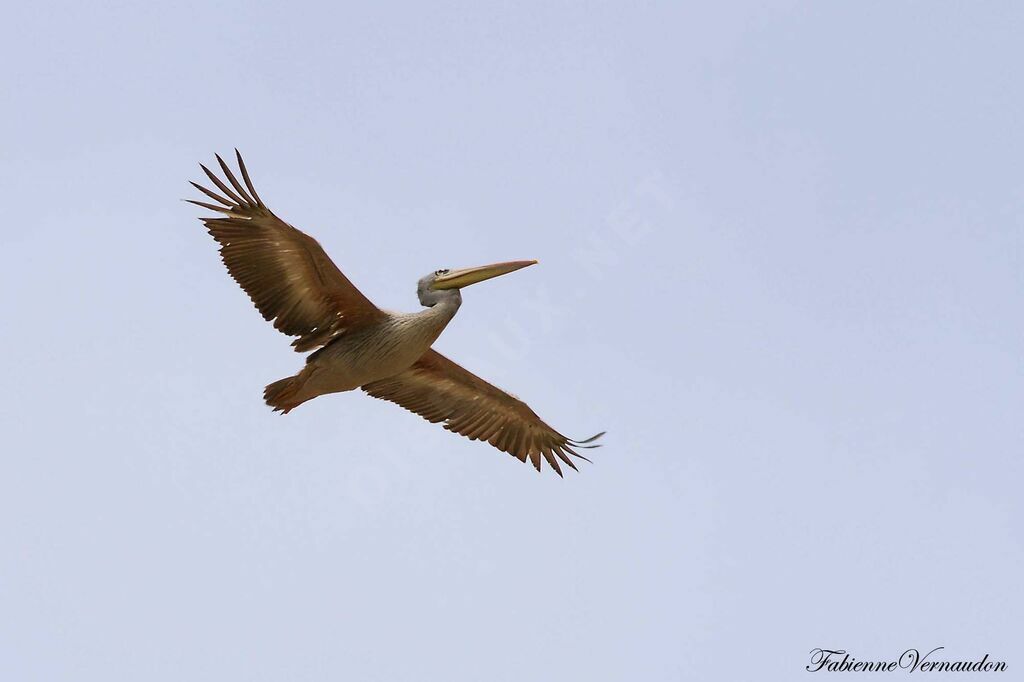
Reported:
(293, 283)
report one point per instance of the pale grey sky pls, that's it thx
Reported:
(780, 262)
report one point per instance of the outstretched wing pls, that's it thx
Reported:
(283, 270)
(439, 390)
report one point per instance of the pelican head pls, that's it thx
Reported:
(445, 284)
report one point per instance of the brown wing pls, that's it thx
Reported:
(285, 271)
(439, 390)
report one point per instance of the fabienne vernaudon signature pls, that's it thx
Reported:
(911, 661)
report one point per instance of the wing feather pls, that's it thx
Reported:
(285, 272)
(439, 390)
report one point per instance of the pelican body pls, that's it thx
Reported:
(386, 347)
(362, 357)
(294, 284)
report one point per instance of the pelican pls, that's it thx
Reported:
(294, 284)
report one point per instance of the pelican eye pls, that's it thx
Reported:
(442, 272)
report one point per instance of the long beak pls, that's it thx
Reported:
(456, 279)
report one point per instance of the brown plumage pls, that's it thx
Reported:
(439, 390)
(286, 272)
(296, 286)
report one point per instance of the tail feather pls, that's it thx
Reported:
(283, 395)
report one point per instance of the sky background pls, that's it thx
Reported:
(781, 264)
